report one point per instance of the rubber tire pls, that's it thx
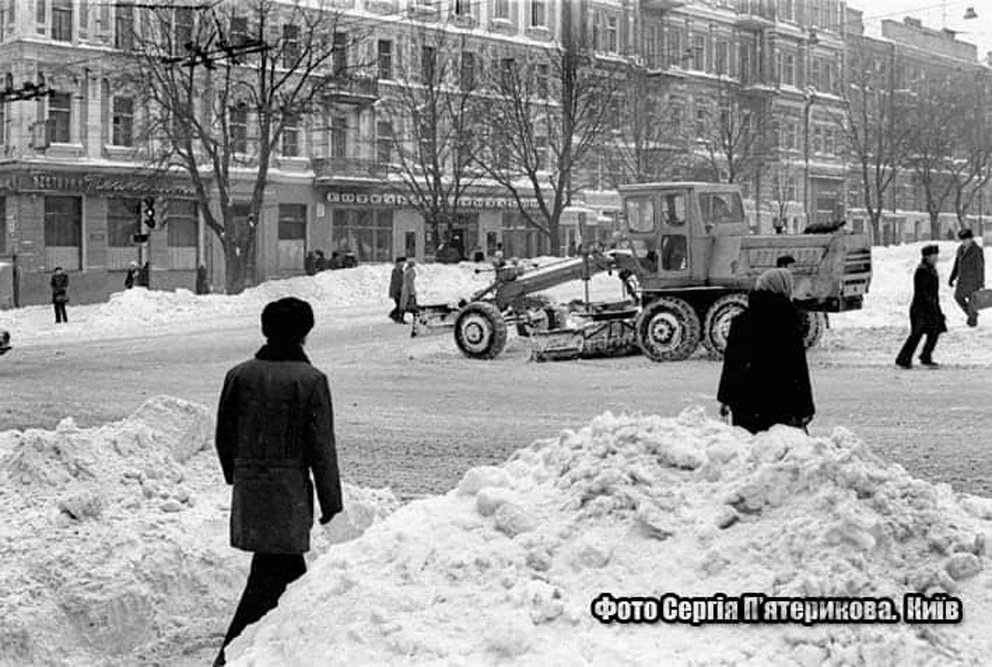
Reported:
(715, 341)
(493, 337)
(683, 315)
(813, 324)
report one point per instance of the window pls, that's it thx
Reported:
(501, 10)
(652, 45)
(123, 122)
(292, 222)
(785, 10)
(340, 54)
(291, 47)
(542, 73)
(675, 46)
(723, 57)
(123, 222)
(507, 71)
(385, 59)
(61, 20)
(184, 29)
(3, 225)
(63, 232)
(700, 123)
(368, 233)
(463, 7)
(538, 16)
(541, 152)
(239, 30)
(291, 136)
(673, 209)
(788, 73)
(339, 137)
(699, 53)
(468, 70)
(640, 215)
(60, 117)
(428, 60)
(124, 28)
(182, 233)
(3, 125)
(41, 15)
(384, 142)
(7, 16)
(239, 130)
(612, 35)
(717, 208)
(674, 252)
(814, 73)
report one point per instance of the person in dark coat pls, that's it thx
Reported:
(396, 290)
(143, 276)
(785, 262)
(925, 316)
(60, 294)
(275, 427)
(132, 273)
(310, 263)
(969, 272)
(320, 264)
(336, 261)
(765, 378)
(408, 291)
(202, 282)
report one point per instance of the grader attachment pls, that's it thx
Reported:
(601, 330)
(434, 319)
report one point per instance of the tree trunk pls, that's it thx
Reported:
(234, 269)
(934, 226)
(554, 239)
(874, 219)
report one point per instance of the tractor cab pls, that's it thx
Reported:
(669, 227)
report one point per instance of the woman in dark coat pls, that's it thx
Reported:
(275, 428)
(925, 315)
(765, 377)
(60, 294)
(396, 290)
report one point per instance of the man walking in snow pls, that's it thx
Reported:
(275, 427)
(969, 272)
(925, 316)
(396, 290)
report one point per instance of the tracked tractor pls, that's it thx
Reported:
(688, 261)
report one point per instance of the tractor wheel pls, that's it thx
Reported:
(668, 330)
(480, 330)
(716, 325)
(812, 325)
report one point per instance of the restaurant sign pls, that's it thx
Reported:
(389, 199)
(87, 184)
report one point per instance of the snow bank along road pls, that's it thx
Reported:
(414, 414)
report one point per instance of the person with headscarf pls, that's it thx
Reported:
(765, 378)
(969, 272)
(275, 428)
(925, 316)
(132, 274)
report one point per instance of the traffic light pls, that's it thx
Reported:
(150, 212)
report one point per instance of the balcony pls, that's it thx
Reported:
(336, 169)
(352, 89)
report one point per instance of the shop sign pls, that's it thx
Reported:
(104, 185)
(403, 201)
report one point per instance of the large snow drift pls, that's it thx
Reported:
(114, 539)
(505, 566)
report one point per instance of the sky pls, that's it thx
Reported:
(932, 12)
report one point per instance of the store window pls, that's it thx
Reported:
(521, 239)
(123, 222)
(368, 233)
(182, 233)
(63, 232)
(292, 237)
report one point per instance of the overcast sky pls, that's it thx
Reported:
(977, 31)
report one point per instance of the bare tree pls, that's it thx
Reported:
(547, 119)
(934, 143)
(782, 190)
(434, 124)
(975, 139)
(729, 134)
(877, 142)
(207, 76)
(647, 141)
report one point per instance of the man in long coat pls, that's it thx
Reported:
(969, 272)
(396, 290)
(925, 315)
(275, 427)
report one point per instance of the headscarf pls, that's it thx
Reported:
(778, 281)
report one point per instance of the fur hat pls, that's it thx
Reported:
(287, 320)
(966, 234)
(931, 249)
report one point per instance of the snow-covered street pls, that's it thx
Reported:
(411, 414)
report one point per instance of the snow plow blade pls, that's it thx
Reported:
(556, 345)
(438, 318)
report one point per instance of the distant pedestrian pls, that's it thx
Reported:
(349, 261)
(60, 294)
(335, 263)
(143, 277)
(396, 290)
(275, 427)
(408, 293)
(785, 262)
(499, 261)
(320, 264)
(969, 272)
(310, 263)
(925, 315)
(477, 255)
(765, 378)
(202, 281)
(132, 273)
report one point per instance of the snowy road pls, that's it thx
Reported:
(414, 414)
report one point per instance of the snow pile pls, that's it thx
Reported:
(114, 542)
(506, 566)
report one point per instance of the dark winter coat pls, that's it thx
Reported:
(924, 312)
(396, 282)
(969, 269)
(408, 295)
(275, 426)
(60, 288)
(765, 377)
(129, 278)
